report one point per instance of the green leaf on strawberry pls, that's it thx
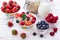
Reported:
(23, 17)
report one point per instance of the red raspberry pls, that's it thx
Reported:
(15, 9)
(4, 4)
(52, 33)
(50, 14)
(7, 11)
(10, 24)
(3, 9)
(8, 6)
(55, 29)
(22, 22)
(54, 21)
(56, 18)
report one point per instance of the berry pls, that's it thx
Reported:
(10, 2)
(34, 33)
(41, 35)
(28, 19)
(52, 33)
(50, 14)
(54, 21)
(4, 4)
(17, 21)
(42, 25)
(34, 18)
(14, 32)
(27, 12)
(10, 24)
(23, 35)
(7, 11)
(8, 6)
(55, 29)
(22, 22)
(3, 9)
(13, 5)
(56, 18)
(15, 2)
(18, 7)
(33, 21)
(15, 9)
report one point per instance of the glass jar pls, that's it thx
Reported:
(32, 5)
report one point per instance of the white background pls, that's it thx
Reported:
(5, 31)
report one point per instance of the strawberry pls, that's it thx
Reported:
(3, 9)
(13, 5)
(34, 18)
(8, 6)
(52, 33)
(15, 9)
(14, 2)
(56, 18)
(18, 7)
(22, 22)
(10, 24)
(10, 2)
(4, 4)
(55, 29)
(7, 11)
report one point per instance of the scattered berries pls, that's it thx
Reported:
(34, 34)
(23, 35)
(55, 30)
(41, 35)
(52, 33)
(51, 19)
(10, 24)
(14, 32)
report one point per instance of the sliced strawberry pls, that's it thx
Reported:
(55, 29)
(52, 33)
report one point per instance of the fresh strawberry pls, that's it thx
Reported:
(52, 33)
(13, 5)
(15, 9)
(3, 9)
(10, 24)
(10, 2)
(8, 6)
(22, 22)
(56, 18)
(4, 4)
(18, 7)
(7, 11)
(55, 29)
(22, 14)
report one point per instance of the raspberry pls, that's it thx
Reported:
(55, 29)
(10, 24)
(50, 14)
(52, 33)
